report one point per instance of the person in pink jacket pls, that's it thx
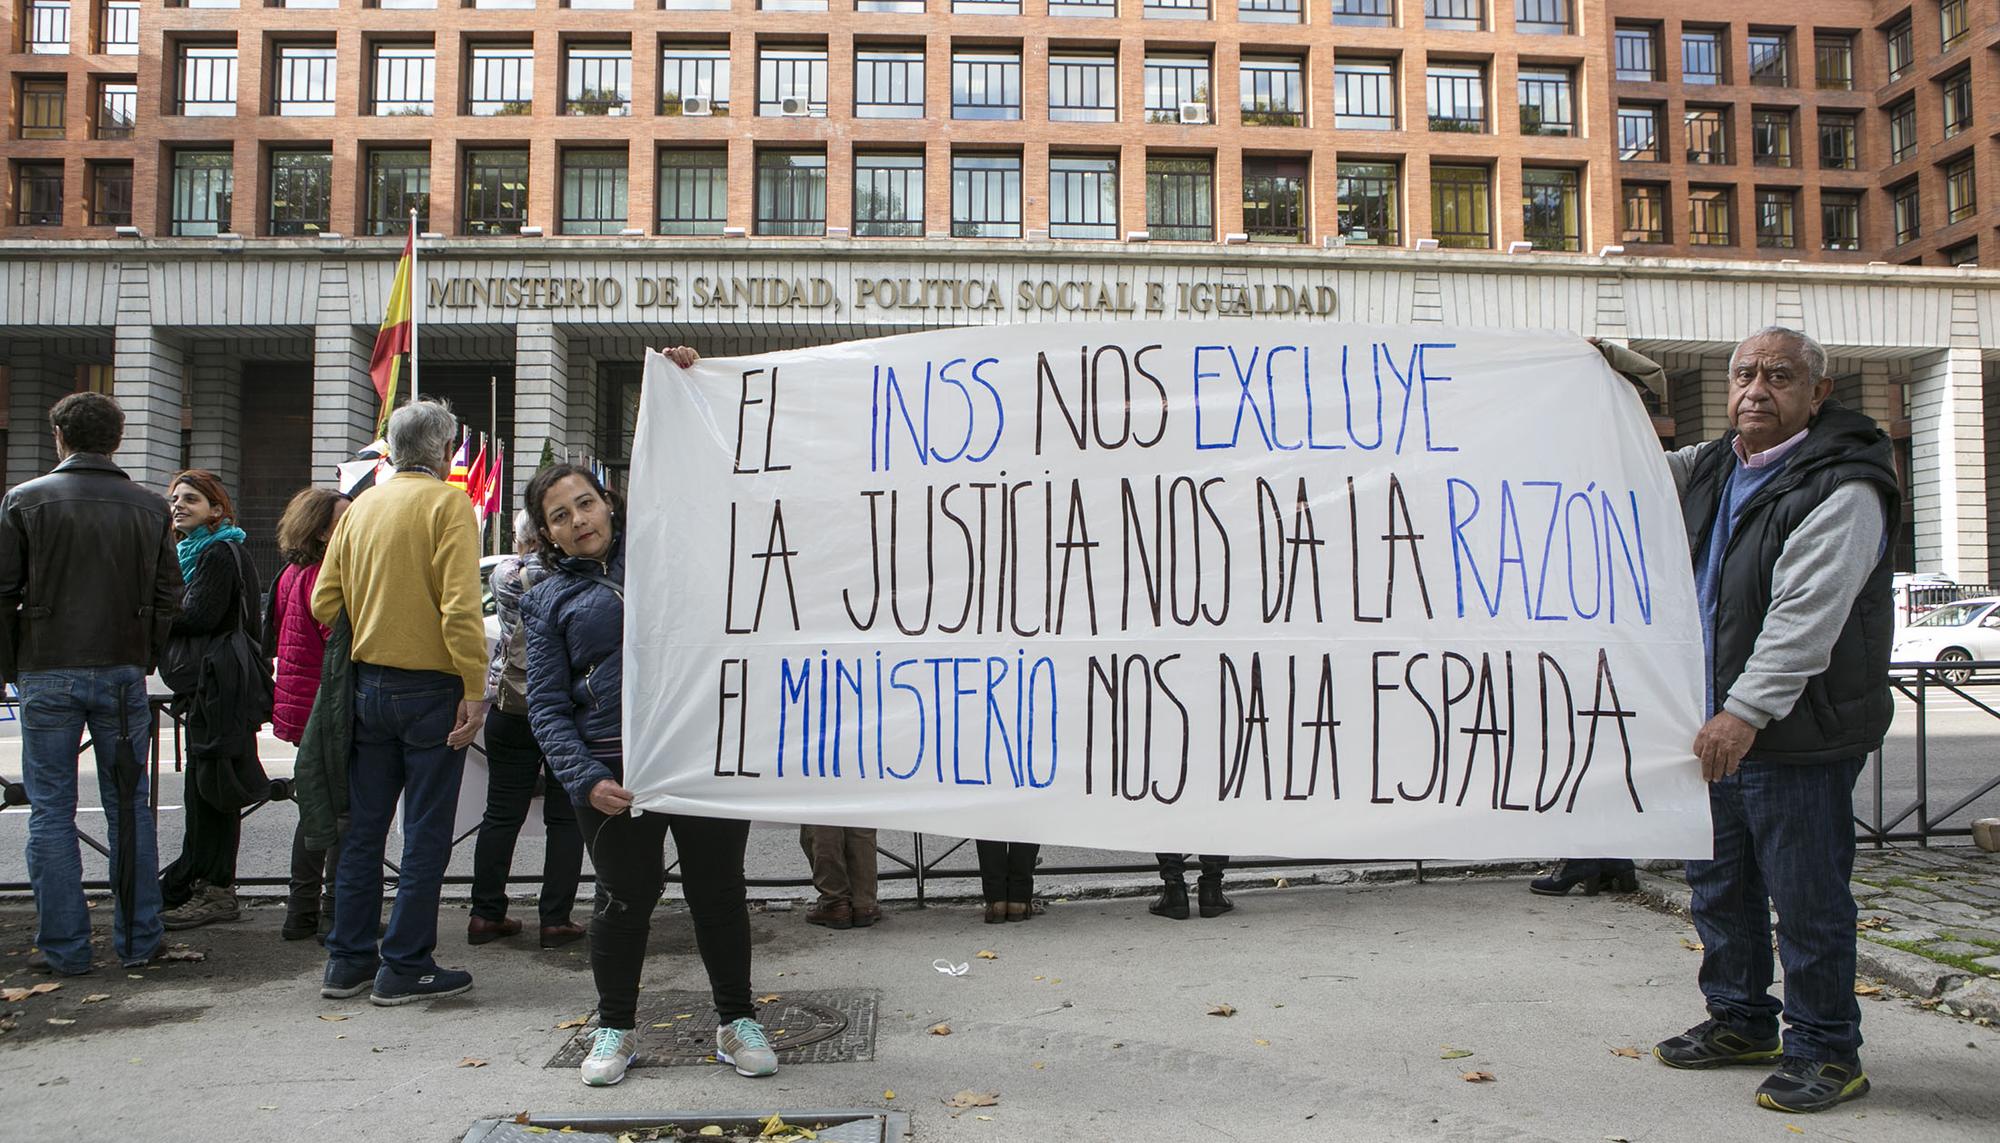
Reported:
(300, 646)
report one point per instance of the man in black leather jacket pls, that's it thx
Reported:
(89, 583)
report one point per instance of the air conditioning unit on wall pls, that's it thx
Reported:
(697, 105)
(794, 105)
(1194, 113)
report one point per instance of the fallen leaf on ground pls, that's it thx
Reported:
(545, 1131)
(332, 1017)
(1262, 1043)
(472, 1062)
(59, 1021)
(940, 1029)
(1039, 1066)
(1041, 978)
(1451, 1053)
(771, 998)
(577, 1022)
(1872, 923)
(16, 995)
(668, 1024)
(970, 1098)
(1691, 946)
(888, 1095)
(96, 997)
(683, 1015)
(1795, 1129)
(267, 1107)
(984, 1118)
(988, 954)
(1628, 1052)
(1867, 989)
(182, 952)
(1222, 1010)
(1477, 1077)
(711, 1129)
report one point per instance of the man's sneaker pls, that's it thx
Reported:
(210, 903)
(344, 980)
(393, 988)
(612, 1050)
(1801, 1085)
(40, 962)
(744, 1044)
(1713, 1044)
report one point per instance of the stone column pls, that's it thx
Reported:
(216, 393)
(344, 403)
(541, 396)
(147, 371)
(32, 388)
(1948, 462)
(1700, 401)
(582, 403)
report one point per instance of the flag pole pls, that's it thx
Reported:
(493, 419)
(416, 307)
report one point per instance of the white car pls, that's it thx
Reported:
(486, 566)
(1961, 632)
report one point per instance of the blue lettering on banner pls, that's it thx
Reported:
(1408, 394)
(951, 421)
(1599, 549)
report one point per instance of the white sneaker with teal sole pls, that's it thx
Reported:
(744, 1044)
(612, 1050)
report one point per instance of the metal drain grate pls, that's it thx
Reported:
(848, 1126)
(677, 1029)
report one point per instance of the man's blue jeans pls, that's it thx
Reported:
(1784, 836)
(56, 706)
(401, 720)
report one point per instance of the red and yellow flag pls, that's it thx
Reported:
(386, 363)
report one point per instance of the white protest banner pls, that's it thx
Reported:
(1230, 587)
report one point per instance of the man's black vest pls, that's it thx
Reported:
(1845, 710)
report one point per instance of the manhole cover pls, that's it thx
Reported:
(677, 1029)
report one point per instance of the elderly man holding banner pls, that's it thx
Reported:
(1788, 517)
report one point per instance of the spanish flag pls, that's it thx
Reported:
(395, 338)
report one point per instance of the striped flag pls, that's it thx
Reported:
(475, 481)
(397, 336)
(461, 463)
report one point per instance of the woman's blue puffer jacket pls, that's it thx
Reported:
(576, 669)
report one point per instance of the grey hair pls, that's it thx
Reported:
(1810, 349)
(422, 432)
(525, 536)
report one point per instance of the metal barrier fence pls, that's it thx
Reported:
(1916, 682)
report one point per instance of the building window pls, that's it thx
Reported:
(118, 27)
(398, 182)
(1273, 92)
(44, 108)
(762, 5)
(1269, 11)
(1957, 102)
(1839, 149)
(1899, 48)
(792, 81)
(1180, 199)
(1542, 17)
(46, 34)
(1455, 15)
(1840, 220)
(111, 194)
(694, 192)
(1952, 23)
(1457, 97)
(1771, 138)
(1638, 133)
(1172, 84)
(594, 191)
(203, 187)
(207, 80)
(597, 80)
(1903, 130)
(1965, 253)
(1777, 228)
(1961, 194)
(1708, 135)
(1083, 88)
(1645, 213)
(985, 85)
(1462, 207)
(405, 79)
(859, 5)
(1547, 101)
(1083, 196)
(693, 71)
(1365, 197)
(117, 108)
(1274, 200)
(301, 189)
(1636, 53)
(1708, 217)
(1364, 95)
(1365, 13)
(1906, 211)
(985, 196)
(791, 192)
(1770, 59)
(888, 196)
(38, 194)
(1101, 9)
(1551, 209)
(1833, 61)
(1176, 9)
(496, 192)
(889, 83)
(976, 7)
(503, 80)
(305, 81)
(1702, 53)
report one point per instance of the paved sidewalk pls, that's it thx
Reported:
(1351, 1003)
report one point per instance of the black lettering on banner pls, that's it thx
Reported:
(731, 688)
(1597, 713)
(874, 498)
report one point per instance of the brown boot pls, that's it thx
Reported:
(831, 914)
(210, 903)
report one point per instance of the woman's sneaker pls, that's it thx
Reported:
(744, 1044)
(612, 1050)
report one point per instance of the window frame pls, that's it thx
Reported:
(976, 73)
(1624, 37)
(1844, 127)
(1902, 130)
(1721, 206)
(1180, 198)
(810, 177)
(1543, 79)
(222, 198)
(313, 212)
(39, 192)
(781, 68)
(1465, 188)
(705, 187)
(42, 106)
(1776, 210)
(1717, 41)
(484, 162)
(1250, 69)
(1268, 222)
(1961, 189)
(1455, 15)
(1718, 154)
(1771, 141)
(897, 172)
(702, 65)
(1652, 152)
(1567, 185)
(1190, 73)
(890, 66)
(1906, 212)
(1385, 229)
(597, 176)
(397, 69)
(1449, 81)
(1833, 61)
(984, 171)
(1631, 194)
(1094, 179)
(1776, 66)
(95, 171)
(1097, 71)
(219, 72)
(609, 65)
(1371, 77)
(1955, 95)
(378, 194)
(500, 79)
(1848, 206)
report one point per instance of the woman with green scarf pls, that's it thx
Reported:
(221, 593)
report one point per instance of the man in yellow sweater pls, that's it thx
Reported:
(404, 564)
